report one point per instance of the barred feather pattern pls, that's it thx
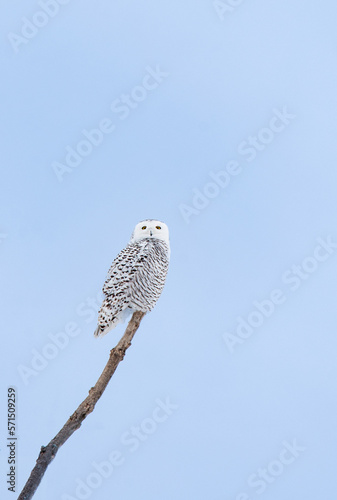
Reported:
(134, 282)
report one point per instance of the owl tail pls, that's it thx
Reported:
(98, 332)
(120, 318)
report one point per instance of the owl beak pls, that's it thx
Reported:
(151, 233)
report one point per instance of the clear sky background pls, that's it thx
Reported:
(247, 89)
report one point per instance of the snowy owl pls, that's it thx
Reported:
(137, 276)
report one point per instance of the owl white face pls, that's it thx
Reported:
(150, 229)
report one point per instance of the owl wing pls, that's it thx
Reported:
(117, 286)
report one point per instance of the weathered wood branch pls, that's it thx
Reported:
(74, 422)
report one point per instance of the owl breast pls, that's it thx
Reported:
(149, 278)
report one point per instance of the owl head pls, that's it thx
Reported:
(150, 228)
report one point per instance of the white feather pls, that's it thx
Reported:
(137, 276)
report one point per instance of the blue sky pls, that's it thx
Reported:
(228, 136)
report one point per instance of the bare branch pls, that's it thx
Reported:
(74, 422)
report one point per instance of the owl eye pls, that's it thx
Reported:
(144, 227)
(158, 227)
